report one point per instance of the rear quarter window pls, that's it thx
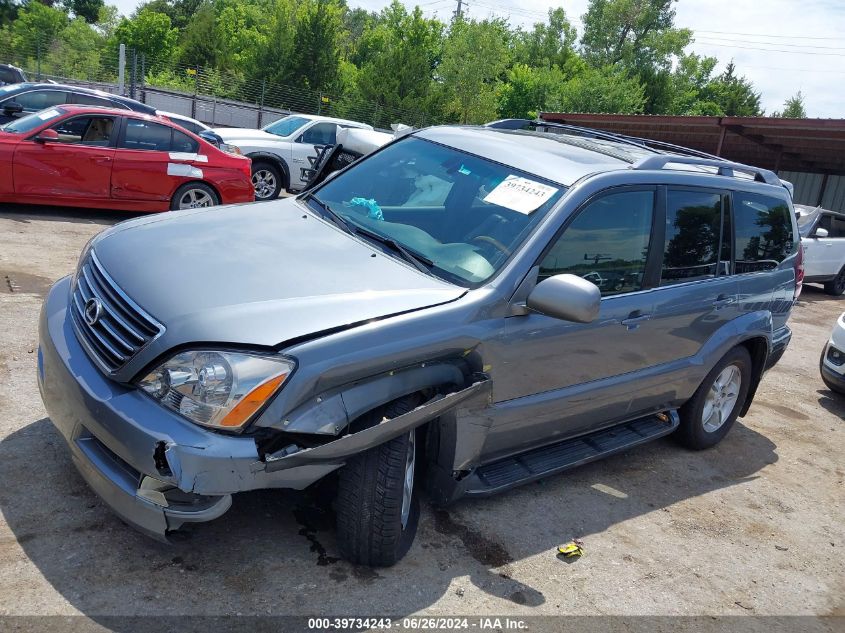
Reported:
(763, 232)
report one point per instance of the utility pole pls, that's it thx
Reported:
(459, 13)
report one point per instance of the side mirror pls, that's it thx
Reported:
(46, 136)
(566, 297)
(820, 232)
(12, 108)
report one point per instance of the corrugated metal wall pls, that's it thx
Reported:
(808, 187)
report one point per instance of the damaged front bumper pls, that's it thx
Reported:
(155, 469)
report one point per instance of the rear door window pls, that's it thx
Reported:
(146, 135)
(183, 143)
(763, 231)
(693, 236)
(93, 100)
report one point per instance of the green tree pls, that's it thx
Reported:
(475, 57)
(403, 49)
(151, 34)
(689, 86)
(527, 90)
(640, 36)
(546, 44)
(36, 28)
(316, 52)
(199, 44)
(734, 95)
(89, 10)
(793, 108)
(600, 90)
(77, 52)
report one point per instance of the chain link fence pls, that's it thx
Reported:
(215, 97)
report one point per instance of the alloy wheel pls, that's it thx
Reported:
(721, 398)
(264, 183)
(194, 199)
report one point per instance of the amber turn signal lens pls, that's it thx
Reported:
(252, 402)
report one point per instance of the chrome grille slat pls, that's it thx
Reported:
(123, 327)
(100, 292)
(139, 325)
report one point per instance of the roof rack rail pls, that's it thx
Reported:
(670, 146)
(518, 124)
(725, 167)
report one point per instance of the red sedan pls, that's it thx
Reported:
(115, 159)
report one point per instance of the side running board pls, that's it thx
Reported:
(549, 460)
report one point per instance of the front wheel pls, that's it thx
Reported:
(836, 286)
(711, 412)
(377, 505)
(266, 180)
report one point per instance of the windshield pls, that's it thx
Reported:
(31, 121)
(462, 213)
(286, 126)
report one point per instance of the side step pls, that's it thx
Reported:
(548, 460)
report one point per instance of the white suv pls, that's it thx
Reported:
(823, 238)
(280, 150)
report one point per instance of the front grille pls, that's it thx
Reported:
(121, 330)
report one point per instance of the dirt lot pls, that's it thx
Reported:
(754, 526)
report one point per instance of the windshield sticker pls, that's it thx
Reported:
(463, 170)
(49, 114)
(520, 194)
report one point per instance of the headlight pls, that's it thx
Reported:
(217, 389)
(232, 149)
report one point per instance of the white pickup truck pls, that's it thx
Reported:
(281, 149)
(823, 238)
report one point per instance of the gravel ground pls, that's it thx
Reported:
(752, 527)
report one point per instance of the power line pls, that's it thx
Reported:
(827, 48)
(791, 35)
(768, 50)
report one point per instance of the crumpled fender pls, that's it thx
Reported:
(354, 443)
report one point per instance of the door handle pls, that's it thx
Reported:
(102, 159)
(299, 160)
(634, 319)
(722, 301)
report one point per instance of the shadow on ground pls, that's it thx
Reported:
(25, 214)
(274, 552)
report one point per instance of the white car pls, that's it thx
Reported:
(192, 125)
(823, 239)
(281, 150)
(832, 363)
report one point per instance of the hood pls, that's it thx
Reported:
(258, 274)
(234, 133)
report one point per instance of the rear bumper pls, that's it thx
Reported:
(155, 469)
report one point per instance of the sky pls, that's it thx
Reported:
(782, 46)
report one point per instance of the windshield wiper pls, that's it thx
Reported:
(327, 211)
(420, 262)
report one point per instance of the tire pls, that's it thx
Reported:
(369, 505)
(703, 426)
(267, 180)
(836, 286)
(194, 195)
(830, 385)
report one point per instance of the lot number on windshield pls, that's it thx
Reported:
(520, 194)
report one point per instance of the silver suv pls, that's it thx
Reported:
(466, 309)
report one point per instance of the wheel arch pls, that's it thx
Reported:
(276, 160)
(758, 348)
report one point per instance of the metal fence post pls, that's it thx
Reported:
(143, 78)
(261, 103)
(38, 57)
(121, 70)
(319, 103)
(133, 76)
(196, 91)
(214, 112)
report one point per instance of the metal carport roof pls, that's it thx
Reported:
(801, 145)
